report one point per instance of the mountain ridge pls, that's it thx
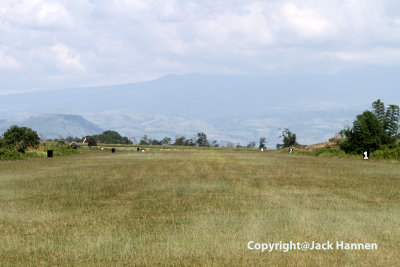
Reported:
(229, 108)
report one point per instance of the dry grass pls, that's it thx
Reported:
(196, 208)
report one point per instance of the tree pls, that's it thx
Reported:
(289, 139)
(145, 140)
(155, 142)
(389, 118)
(189, 142)
(20, 138)
(373, 129)
(366, 134)
(113, 137)
(202, 139)
(391, 126)
(263, 140)
(180, 141)
(166, 141)
(379, 110)
(214, 143)
(91, 140)
(251, 145)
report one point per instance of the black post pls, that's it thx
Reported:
(49, 153)
(113, 150)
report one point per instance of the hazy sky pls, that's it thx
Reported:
(58, 44)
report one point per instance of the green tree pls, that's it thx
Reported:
(366, 134)
(145, 140)
(391, 126)
(372, 129)
(289, 139)
(166, 141)
(251, 145)
(20, 138)
(263, 140)
(155, 142)
(189, 142)
(91, 140)
(113, 137)
(379, 110)
(202, 139)
(180, 141)
(389, 118)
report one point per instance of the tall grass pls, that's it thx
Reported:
(197, 207)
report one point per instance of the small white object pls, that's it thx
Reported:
(102, 148)
(290, 150)
(365, 155)
(142, 150)
(262, 149)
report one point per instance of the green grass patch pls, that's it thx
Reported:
(331, 152)
(40, 152)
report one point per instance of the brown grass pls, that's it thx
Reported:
(196, 208)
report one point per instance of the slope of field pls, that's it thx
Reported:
(198, 207)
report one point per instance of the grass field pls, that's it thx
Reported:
(196, 207)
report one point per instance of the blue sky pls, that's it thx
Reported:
(60, 44)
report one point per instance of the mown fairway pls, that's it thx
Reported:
(196, 207)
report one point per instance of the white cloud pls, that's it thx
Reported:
(8, 62)
(379, 55)
(248, 29)
(306, 22)
(124, 38)
(65, 59)
(38, 14)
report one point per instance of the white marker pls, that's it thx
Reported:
(365, 154)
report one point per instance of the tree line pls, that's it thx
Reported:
(372, 130)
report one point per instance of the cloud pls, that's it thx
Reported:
(37, 15)
(65, 59)
(8, 62)
(378, 56)
(125, 39)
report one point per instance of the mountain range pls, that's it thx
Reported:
(237, 109)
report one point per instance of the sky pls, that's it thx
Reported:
(59, 44)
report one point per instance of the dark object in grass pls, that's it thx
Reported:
(74, 145)
(49, 153)
(112, 150)
(138, 149)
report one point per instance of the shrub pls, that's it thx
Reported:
(387, 153)
(20, 138)
(61, 149)
(9, 154)
(91, 141)
(328, 152)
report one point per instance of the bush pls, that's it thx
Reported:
(9, 154)
(20, 138)
(387, 153)
(91, 141)
(328, 152)
(60, 149)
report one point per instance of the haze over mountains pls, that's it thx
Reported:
(227, 108)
